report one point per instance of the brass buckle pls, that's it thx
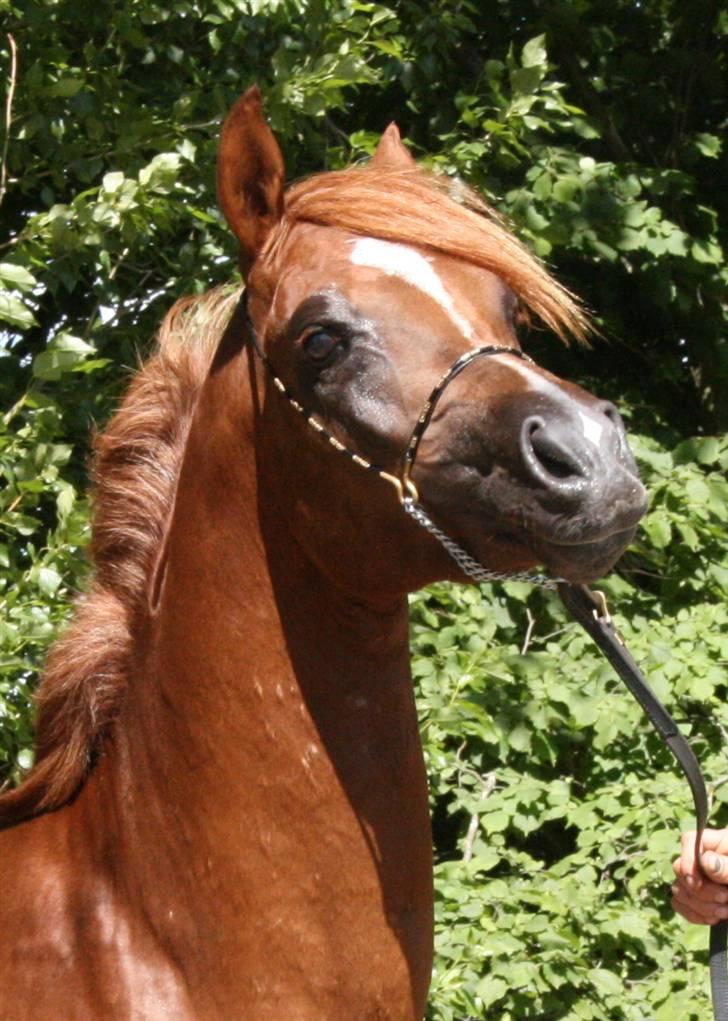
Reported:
(603, 616)
(406, 489)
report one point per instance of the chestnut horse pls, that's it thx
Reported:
(227, 819)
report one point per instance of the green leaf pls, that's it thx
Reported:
(17, 276)
(525, 80)
(705, 449)
(13, 311)
(66, 87)
(494, 822)
(566, 188)
(489, 990)
(65, 502)
(162, 173)
(112, 182)
(534, 52)
(708, 145)
(64, 354)
(606, 982)
(658, 528)
(48, 580)
(707, 251)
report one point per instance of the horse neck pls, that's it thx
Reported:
(269, 733)
(251, 639)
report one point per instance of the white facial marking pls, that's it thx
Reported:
(417, 270)
(412, 267)
(592, 428)
(535, 380)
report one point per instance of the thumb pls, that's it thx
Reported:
(715, 866)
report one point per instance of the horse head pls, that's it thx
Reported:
(365, 287)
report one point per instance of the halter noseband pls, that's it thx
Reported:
(430, 404)
(407, 492)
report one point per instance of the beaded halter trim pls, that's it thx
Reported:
(407, 492)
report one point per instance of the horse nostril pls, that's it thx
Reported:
(609, 411)
(554, 464)
(618, 432)
(547, 454)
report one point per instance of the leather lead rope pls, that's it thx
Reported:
(590, 610)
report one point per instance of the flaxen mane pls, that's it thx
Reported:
(136, 463)
(138, 457)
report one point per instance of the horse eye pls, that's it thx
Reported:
(319, 344)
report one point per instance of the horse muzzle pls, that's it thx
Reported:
(553, 475)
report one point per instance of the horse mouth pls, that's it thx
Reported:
(586, 545)
(579, 546)
(579, 543)
(583, 561)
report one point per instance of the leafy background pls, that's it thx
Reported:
(595, 126)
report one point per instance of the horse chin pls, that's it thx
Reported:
(577, 549)
(582, 562)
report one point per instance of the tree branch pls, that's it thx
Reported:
(489, 782)
(8, 115)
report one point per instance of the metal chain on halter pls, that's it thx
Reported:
(405, 487)
(467, 564)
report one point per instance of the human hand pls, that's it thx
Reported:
(701, 895)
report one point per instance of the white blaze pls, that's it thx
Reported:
(417, 271)
(592, 428)
(412, 267)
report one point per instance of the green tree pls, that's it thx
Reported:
(596, 128)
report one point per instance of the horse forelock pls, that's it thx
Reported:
(136, 463)
(414, 206)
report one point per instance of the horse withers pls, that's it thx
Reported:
(227, 818)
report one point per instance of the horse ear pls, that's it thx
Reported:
(391, 154)
(250, 175)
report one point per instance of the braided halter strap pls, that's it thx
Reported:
(407, 492)
(428, 409)
(410, 498)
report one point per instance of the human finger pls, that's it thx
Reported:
(715, 866)
(685, 866)
(696, 911)
(713, 861)
(706, 893)
(715, 840)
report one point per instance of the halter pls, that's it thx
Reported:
(588, 608)
(406, 489)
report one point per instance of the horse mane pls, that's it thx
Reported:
(135, 467)
(414, 206)
(137, 459)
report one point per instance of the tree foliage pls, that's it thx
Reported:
(596, 128)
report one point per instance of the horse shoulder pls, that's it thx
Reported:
(78, 950)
